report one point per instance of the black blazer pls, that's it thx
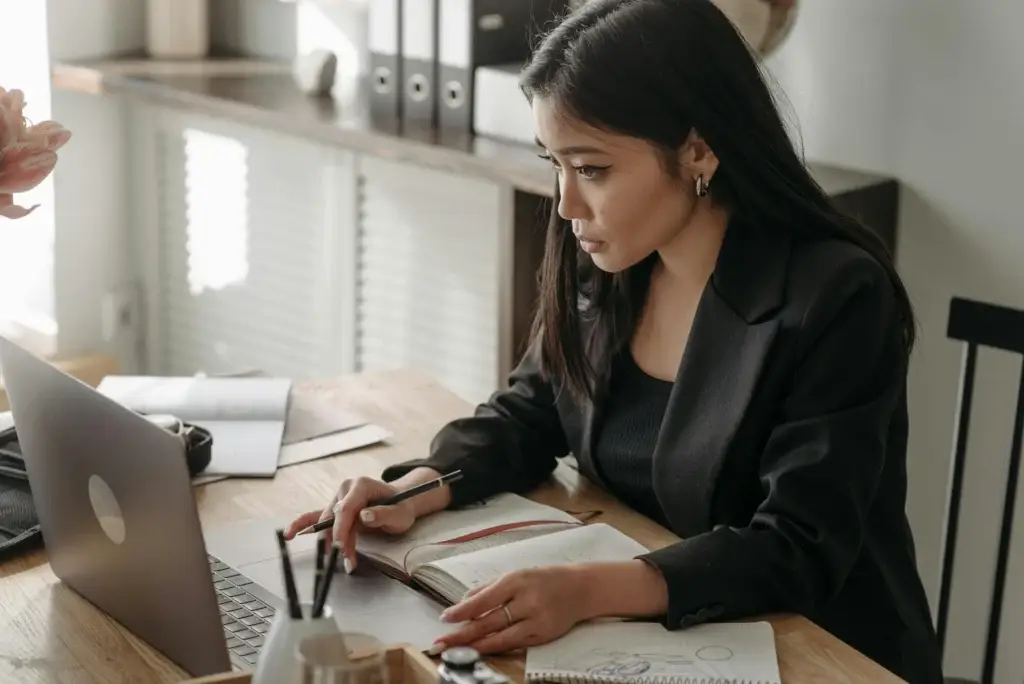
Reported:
(781, 460)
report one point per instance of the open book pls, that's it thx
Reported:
(245, 416)
(647, 653)
(450, 552)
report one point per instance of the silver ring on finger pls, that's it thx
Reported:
(508, 614)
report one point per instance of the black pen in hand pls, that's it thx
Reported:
(392, 500)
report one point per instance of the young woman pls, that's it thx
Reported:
(715, 343)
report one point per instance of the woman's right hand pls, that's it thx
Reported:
(352, 511)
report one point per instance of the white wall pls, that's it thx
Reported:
(933, 92)
(275, 29)
(92, 233)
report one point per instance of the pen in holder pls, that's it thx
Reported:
(277, 663)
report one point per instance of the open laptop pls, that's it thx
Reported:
(117, 510)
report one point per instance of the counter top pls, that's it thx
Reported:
(263, 94)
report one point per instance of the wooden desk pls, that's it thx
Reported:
(50, 634)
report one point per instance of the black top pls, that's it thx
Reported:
(624, 449)
(782, 459)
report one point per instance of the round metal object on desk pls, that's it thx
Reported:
(460, 658)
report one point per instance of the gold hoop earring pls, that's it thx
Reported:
(702, 187)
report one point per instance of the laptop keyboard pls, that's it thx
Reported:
(246, 619)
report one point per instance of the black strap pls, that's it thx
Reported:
(19, 527)
(198, 449)
(30, 539)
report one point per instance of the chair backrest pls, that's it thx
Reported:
(980, 324)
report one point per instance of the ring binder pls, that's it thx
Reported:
(384, 22)
(476, 33)
(419, 42)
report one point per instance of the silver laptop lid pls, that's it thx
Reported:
(117, 511)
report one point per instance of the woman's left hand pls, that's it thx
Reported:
(522, 608)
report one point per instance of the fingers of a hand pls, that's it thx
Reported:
(520, 635)
(327, 512)
(343, 490)
(484, 600)
(349, 561)
(391, 519)
(321, 515)
(474, 630)
(302, 522)
(331, 509)
(346, 513)
(344, 527)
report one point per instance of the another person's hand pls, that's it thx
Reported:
(352, 511)
(522, 608)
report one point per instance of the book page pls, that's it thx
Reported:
(246, 416)
(243, 447)
(624, 651)
(592, 543)
(428, 553)
(464, 525)
(310, 414)
(198, 399)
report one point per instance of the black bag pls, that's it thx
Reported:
(19, 526)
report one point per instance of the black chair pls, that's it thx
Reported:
(979, 324)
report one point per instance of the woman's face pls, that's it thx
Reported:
(615, 190)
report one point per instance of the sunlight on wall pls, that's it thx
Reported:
(217, 211)
(26, 280)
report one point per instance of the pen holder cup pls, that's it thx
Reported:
(277, 663)
(349, 658)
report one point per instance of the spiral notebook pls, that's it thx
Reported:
(647, 653)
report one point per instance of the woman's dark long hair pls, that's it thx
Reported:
(658, 70)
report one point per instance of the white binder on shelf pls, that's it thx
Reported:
(501, 111)
(477, 33)
(419, 63)
(384, 42)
